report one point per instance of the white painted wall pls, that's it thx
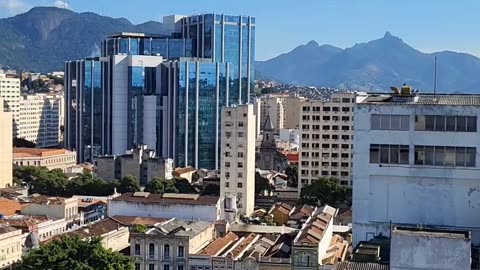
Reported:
(413, 194)
(119, 104)
(156, 210)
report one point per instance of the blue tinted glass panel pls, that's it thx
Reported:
(181, 116)
(159, 47)
(175, 48)
(245, 59)
(218, 43)
(97, 109)
(218, 18)
(123, 48)
(252, 58)
(253, 20)
(207, 115)
(87, 111)
(192, 102)
(133, 46)
(188, 48)
(233, 19)
(208, 35)
(137, 79)
(145, 46)
(232, 56)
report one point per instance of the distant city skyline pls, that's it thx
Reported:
(429, 25)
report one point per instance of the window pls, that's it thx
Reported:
(345, 109)
(445, 156)
(326, 118)
(345, 118)
(137, 266)
(181, 251)
(446, 123)
(345, 128)
(229, 113)
(151, 251)
(240, 175)
(166, 267)
(389, 122)
(151, 266)
(240, 165)
(240, 154)
(240, 124)
(389, 154)
(180, 267)
(166, 251)
(227, 164)
(345, 100)
(326, 109)
(240, 134)
(239, 185)
(137, 249)
(227, 184)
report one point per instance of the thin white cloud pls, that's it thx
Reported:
(13, 7)
(61, 4)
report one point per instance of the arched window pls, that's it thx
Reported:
(151, 251)
(166, 250)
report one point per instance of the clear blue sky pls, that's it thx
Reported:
(428, 25)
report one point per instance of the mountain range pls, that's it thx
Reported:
(43, 38)
(374, 66)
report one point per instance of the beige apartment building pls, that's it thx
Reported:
(10, 93)
(41, 116)
(50, 158)
(283, 109)
(237, 167)
(5, 148)
(326, 137)
(10, 246)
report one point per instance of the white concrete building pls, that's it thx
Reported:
(50, 158)
(290, 135)
(237, 166)
(326, 137)
(167, 205)
(10, 93)
(41, 116)
(283, 109)
(416, 162)
(10, 246)
(5, 148)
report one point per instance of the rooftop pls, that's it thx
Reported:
(347, 265)
(42, 199)
(179, 227)
(179, 171)
(135, 35)
(9, 207)
(431, 232)
(7, 229)
(313, 230)
(219, 244)
(167, 198)
(19, 152)
(131, 220)
(422, 99)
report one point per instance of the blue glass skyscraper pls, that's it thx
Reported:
(164, 90)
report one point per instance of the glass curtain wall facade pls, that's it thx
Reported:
(209, 64)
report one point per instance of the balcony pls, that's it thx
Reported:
(166, 258)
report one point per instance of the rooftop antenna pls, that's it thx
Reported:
(435, 78)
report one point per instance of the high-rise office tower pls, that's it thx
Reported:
(238, 157)
(164, 91)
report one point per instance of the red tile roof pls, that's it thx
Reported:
(131, 220)
(37, 152)
(9, 207)
(167, 198)
(220, 243)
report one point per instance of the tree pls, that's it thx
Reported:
(155, 186)
(128, 184)
(262, 184)
(212, 190)
(183, 186)
(51, 183)
(74, 253)
(292, 173)
(87, 184)
(326, 191)
(19, 142)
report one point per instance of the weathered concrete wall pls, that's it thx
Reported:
(429, 252)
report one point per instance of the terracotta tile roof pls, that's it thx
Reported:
(238, 250)
(220, 243)
(42, 199)
(9, 207)
(292, 158)
(336, 251)
(132, 220)
(24, 222)
(312, 232)
(283, 208)
(37, 152)
(167, 198)
(84, 203)
(179, 171)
